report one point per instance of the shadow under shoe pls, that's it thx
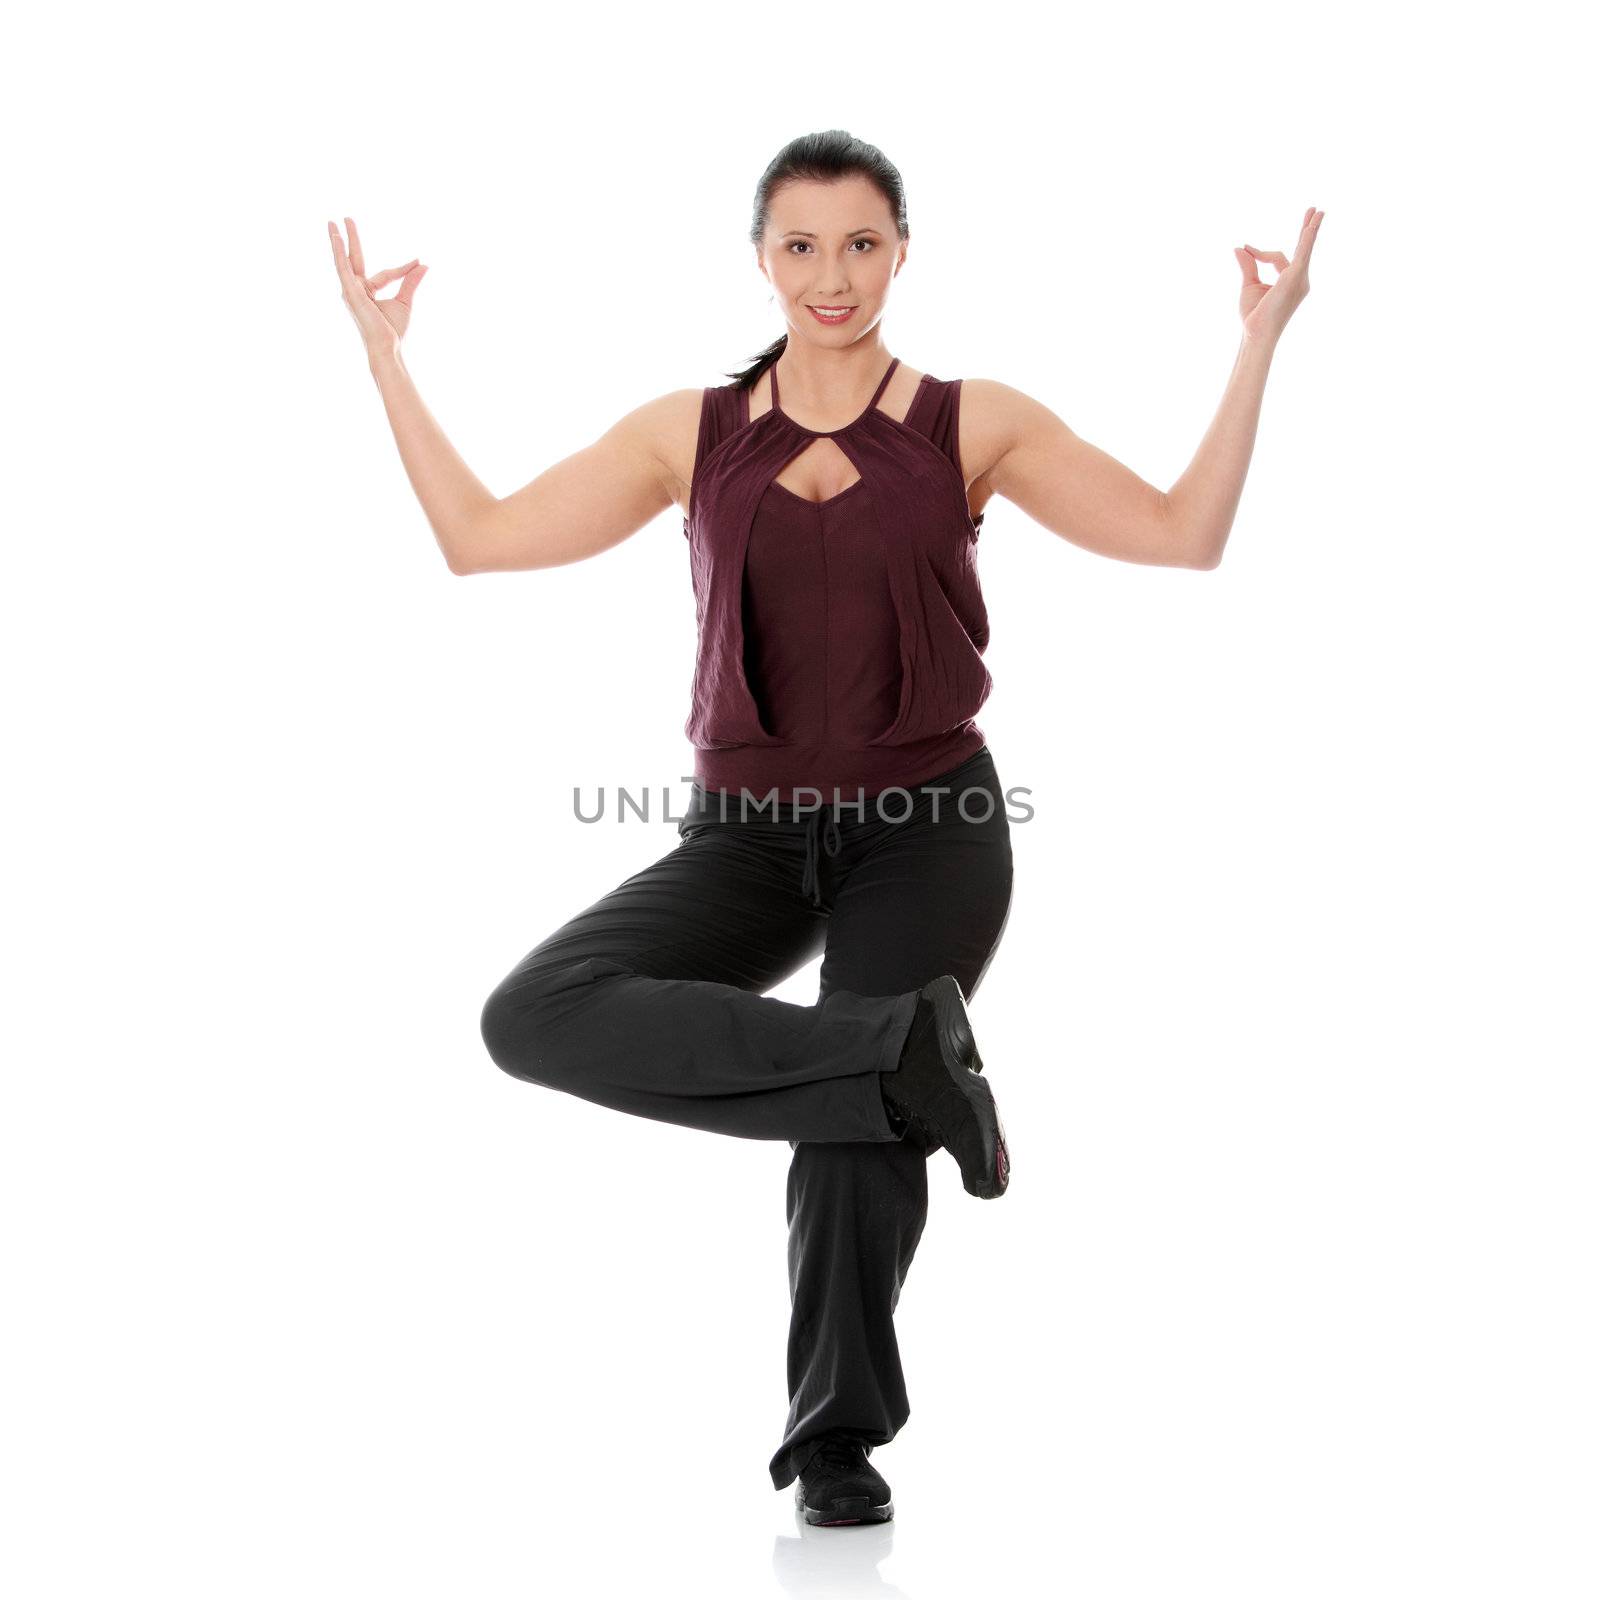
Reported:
(838, 1486)
(938, 1096)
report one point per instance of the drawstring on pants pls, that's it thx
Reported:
(811, 880)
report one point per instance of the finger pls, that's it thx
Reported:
(1273, 258)
(1247, 265)
(352, 284)
(1308, 235)
(409, 286)
(339, 258)
(357, 261)
(389, 274)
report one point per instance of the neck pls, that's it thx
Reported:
(821, 381)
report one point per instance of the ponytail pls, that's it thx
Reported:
(747, 378)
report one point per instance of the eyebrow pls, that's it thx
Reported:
(800, 233)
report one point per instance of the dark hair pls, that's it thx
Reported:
(826, 157)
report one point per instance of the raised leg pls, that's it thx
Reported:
(650, 1002)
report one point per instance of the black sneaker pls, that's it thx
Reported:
(838, 1486)
(937, 1092)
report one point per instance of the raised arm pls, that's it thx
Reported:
(1024, 452)
(592, 499)
(586, 503)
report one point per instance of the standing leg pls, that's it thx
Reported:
(924, 899)
(650, 1002)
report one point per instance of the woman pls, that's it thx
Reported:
(845, 803)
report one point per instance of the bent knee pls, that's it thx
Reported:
(526, 1020)
(510, 1033)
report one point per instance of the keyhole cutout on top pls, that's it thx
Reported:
(819, 473)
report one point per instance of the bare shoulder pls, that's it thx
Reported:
(996, 419)
(664, 432)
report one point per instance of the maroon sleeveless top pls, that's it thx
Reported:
(840, 642)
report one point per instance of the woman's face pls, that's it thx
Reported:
(831, 244)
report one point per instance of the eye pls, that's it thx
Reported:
(807, 243)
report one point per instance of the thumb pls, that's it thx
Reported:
(1247, 265)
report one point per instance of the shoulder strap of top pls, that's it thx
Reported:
(719, 416)
(936, 413)
(877, 394)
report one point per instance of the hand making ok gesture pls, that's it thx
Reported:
(382, 322)
(1266, 307)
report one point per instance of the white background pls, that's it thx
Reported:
(1293, 1022)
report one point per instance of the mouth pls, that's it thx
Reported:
(832, 314)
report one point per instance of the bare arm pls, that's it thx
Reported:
(1066, 484)
(584, 504)
(596, 497)
(1203, 502)
(1087, 496)
(1075, 489)
(452, 497)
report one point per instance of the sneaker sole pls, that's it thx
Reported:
(959, 1048)
(844, 1511)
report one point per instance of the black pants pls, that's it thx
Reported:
(652, 1002)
